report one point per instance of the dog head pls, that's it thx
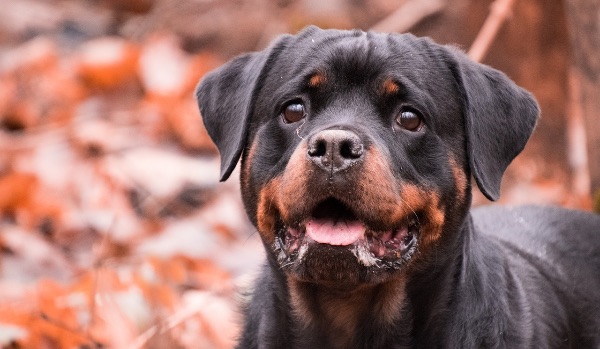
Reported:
(358, 148)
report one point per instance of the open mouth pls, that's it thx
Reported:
(335, 224)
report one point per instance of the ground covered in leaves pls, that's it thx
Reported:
(113, 231)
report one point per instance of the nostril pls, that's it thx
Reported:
(318, 148)
(351, 150)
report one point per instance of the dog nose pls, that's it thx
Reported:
(335, 150)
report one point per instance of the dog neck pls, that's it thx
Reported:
(337, 313)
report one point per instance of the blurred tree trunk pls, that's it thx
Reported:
(584, 27)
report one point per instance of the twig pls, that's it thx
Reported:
(59, 324)
(410, 13)
(576, 139)
(171, 322)
(97, 264)
(499, 11)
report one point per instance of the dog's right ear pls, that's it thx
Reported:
(226, 99)
(499, 118)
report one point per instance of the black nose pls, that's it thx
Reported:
(335, 150)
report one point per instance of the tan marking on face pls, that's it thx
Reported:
(419, 199)
(282, 193)
(267, 210)
(390, 87)
(460, 178)
(247, 165)
(376, 186)
(396, 200)
(294, 181)
(317, 80)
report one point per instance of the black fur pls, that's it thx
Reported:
(525, 277)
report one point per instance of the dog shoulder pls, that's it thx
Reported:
(551, 257)
(551, 233)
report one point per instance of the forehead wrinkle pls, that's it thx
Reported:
(416, 94)
(314, 48)
(353, 56)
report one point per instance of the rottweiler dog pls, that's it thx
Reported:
(357, 151)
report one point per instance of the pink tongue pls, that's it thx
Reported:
(343, 233)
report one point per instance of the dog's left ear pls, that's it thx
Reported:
(225, 98)
(499, 118)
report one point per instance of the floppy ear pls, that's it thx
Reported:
(226, 98)
(499, 118)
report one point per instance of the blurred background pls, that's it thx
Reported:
(114, 229)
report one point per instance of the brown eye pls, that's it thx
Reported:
(293, 112)
(409, 120)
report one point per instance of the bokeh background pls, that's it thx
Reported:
(114, 229)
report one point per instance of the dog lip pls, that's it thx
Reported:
(392, 244)
(387, 245)
(375, 242)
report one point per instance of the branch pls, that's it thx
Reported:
(409, 14)
(500, 10)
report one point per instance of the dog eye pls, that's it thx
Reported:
(293, 112)
(409, 120)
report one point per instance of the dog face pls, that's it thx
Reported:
(358, 148)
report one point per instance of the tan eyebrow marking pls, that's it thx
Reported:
(317, 80)
(390, 87)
